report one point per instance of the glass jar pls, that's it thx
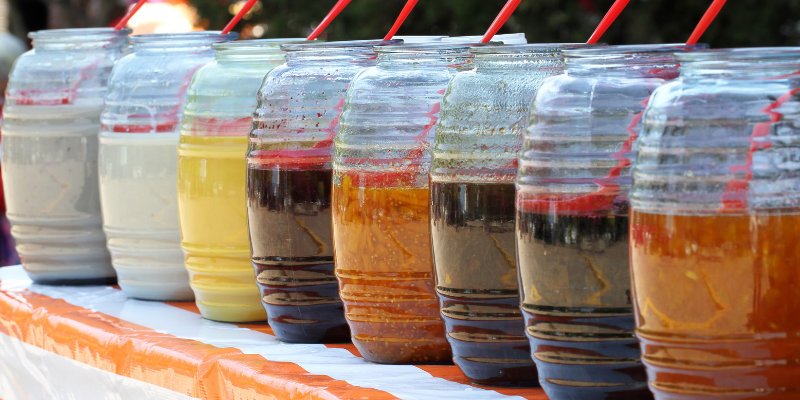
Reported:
(380, 202)
(572, 220)
(508, 38)
(138, 162)
(472, 175)
(49, 157)
(289, 187)
(211, 179)
(715, 224)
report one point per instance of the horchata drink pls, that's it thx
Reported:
(474, 164)
(381, 226)
(138, 161)
(289, 187)
(572, 220)
(715, 226)
(211, 178)
(51, 119)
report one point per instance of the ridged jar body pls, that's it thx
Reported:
(715, 226)
(50, 121)
(474, 165)
(289, 188)
(138, 161)
(211, 179)
(572, 220)
(381, 203)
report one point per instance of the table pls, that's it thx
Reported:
(89, 341)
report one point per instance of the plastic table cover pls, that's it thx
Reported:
(91, 342)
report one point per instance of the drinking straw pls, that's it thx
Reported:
(238, 16)
(709, 16)
(340, 5)
(500, 20)
(124, 21)
(400, 19)
(611, 15)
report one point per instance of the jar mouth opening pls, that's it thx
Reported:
(62, 35)
(428, 48)
(258, 44)
(334, 46)
(764, 54)
(627, 51)
(532, 48)
(199, 37)
(512, 38)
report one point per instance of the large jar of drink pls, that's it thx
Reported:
(51, 118)
(572, 220)
(289, 187)
(715, 225)
(212, 174)
(472, 175)
(380, 202)
(139, 163)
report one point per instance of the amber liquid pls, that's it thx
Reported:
(289, 215)
(385, 273)
(717, 300)
(576, 302)
(472, 226)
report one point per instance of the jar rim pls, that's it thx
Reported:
(631, 49)
(342, 45)
(528, 48)
(740, 54)
(199, 36)
(70, 33)
(254, 44)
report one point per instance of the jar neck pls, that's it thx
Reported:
(517, 61)
(178, 42)
(638, 61)
(742, 64)
(456, 58)
(353, 55)
(252, 51)
(79, 39)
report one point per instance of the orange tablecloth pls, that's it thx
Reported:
(81, 342)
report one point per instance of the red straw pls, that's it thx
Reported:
(238, 16)
(611, 15)
(501, 19)
(340, 5)
(709, 16)
(400, 19)
(124, 21)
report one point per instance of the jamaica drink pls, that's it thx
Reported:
(472, 226)
(577, 307)
(289, 213)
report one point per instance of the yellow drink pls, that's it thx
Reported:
(213, 220)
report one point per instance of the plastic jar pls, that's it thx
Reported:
(474, 165)
(138, 162)
(289, 187)
(49, 161)
(380, 202)
(572, 219)
(715, 226)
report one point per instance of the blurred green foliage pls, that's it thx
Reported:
(741, 23)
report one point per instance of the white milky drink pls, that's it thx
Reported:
(51, 115)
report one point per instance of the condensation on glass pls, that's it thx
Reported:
(572, 219)
(715, 226)
(49, 161)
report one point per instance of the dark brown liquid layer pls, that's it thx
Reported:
(289, 216)
(576, 302)
(472, 226)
